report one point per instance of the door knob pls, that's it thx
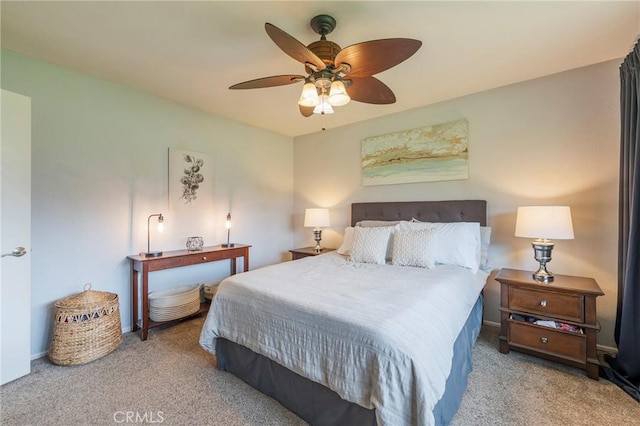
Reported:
(17, 252)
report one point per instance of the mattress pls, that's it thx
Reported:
(379, 336)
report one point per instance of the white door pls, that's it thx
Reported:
(15, 237)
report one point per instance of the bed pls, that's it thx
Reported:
(335, 343)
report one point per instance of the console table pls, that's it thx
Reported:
(141, 265)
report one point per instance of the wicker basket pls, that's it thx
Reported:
(86, 327)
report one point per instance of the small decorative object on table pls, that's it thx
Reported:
(195, 243)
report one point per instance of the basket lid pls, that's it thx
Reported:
(87, 298)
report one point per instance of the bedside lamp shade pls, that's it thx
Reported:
(552, 222)
(544, 223)
(316, 218)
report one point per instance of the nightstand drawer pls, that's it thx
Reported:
(551, 304)
(544, 339)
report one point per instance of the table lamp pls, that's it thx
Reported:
(316, 218)
(150, 253)
(227, 225)
(544, 223)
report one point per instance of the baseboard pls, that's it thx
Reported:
(607, 349)
(491, 324)
(39, 355)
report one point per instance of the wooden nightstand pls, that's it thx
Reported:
(567, 300)
(299, 253)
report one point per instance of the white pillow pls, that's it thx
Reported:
(370, 244)
(381, 223)
(485, 240)
(414, 248)
(347, 242)
(456, 243)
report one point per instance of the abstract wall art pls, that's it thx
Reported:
(426, 154)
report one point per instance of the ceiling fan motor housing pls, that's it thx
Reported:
(325, 50)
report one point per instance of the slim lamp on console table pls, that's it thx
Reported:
(227, 225)
(150, 253)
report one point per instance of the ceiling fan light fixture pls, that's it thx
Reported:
(330, 69)
(309, 96)
(324, 107)
(338, 94)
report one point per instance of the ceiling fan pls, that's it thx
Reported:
(334, 75)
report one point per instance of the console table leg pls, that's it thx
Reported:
(134, 299)
(145, 301)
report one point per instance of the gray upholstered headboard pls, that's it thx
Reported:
(425, 211)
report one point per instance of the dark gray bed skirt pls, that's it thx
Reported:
(319, 405)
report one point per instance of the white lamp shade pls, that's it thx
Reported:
(544, 222)
(324, 107)
(338, 94)
(316, 218)
(309, 96)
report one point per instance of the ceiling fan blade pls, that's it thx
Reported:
(306, 111)
(276, 80)
(371, 57)
(293, 47)
(370, 90)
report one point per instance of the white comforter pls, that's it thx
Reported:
(380, 336)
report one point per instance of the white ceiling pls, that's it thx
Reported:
(192, 51)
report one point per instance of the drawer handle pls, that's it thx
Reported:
(544, 340)
(204, 257)
(543, 303)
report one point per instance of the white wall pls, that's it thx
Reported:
(100, 167)
(553, 140)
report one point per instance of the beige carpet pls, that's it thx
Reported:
(170, 380)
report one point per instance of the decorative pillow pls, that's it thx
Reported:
(347, 242)
(381, 223)
(414, 248)
(456, 243)
(370, 244)
(485, 240)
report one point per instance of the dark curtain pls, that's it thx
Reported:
(625, 367)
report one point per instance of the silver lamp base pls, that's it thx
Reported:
(153, 254)
(317, 235)
(542, 249)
